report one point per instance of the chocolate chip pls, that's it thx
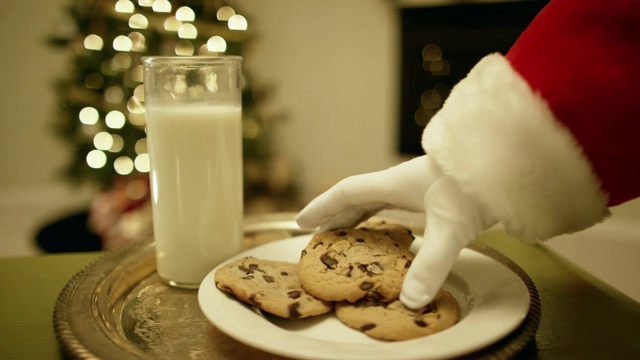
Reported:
(293, 310)
(255, 267)
(329, 261)
(375, 268)
(375, 296)
(359, 240)
(251, 269)
(365, 285)
(268, 278)
(367, 327)
(294, 294)
(420, 323)
(341, 233)
(284, 273)
(407, 264)
(318, 244)
(427, 310)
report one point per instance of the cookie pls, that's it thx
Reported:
(272, 286)
(397, 232)
(394, 321)
(353, 264)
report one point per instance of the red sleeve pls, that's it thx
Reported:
(583, 57)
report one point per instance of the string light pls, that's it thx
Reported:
(123, 165)
(121, 62)
(185, 14)
(138, 92)
(137, 73)
(138, 21)
(96, 159)
(187, 31)
(115, 119)
(134, 105)
(138, 119)
(124, 6)
(138, 41)
(184, 48)
(141, 146)
(142, 163)
(217, 44)
(237, 22)
(118, 143)
(103, 140)
(89, 115)
(125, 66)
(225, 13)
(172, 24)
(122, 43)
(93, 42)
(161, 6)
(114, 94)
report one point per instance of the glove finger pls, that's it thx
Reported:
(402, 186)
(341, 206)
(356, 194)
(428, 272)
(454, 219)
(351, 217)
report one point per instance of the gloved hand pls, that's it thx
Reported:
(453, 218)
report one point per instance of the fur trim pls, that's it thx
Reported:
(523, 165)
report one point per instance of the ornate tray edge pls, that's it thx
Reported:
(67, 339)
(507, 348)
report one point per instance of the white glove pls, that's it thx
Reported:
(454, 218)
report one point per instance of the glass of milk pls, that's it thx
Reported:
(194, 134)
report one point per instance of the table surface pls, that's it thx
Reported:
(581, 316)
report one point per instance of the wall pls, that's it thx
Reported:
(334, 68)
(29, 152)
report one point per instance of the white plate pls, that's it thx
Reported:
(493, 300)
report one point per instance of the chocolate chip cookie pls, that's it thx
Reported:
(353, 264)
(394, 321)
(397, 232)
(272, 286)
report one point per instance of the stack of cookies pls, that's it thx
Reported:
(356, 272)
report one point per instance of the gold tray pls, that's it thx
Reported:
(118, 308)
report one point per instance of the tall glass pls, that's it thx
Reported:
(194, 135)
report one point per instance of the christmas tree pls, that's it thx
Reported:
(101, 96)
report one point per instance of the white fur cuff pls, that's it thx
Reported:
(503, 144)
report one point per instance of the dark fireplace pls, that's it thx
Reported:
(440, 44)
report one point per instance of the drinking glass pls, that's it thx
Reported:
(194, 135)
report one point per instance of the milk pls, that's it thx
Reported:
(196, 182)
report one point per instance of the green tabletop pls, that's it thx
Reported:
(582, 318)
(30, 287)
